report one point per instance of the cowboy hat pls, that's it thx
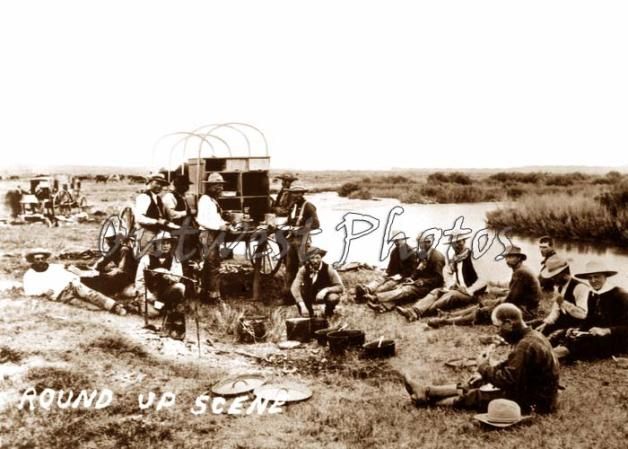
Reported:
(215, 178)
(35, 251)
(297, 187)
(501, 413)
(313, 251)
(554, 266)
(595, 267)
(514, 251)
(287, 177)
(457, 237)
(159, 177)
(163, 235)
(398, 235)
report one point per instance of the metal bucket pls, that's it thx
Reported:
(252, 329)
(298, 329)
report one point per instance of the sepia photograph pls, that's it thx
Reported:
(313, 225)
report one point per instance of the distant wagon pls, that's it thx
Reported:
(50, 194)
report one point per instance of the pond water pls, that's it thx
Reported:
(416, 218)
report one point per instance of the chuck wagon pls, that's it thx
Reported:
(48, 194)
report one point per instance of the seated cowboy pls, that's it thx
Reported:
(54, 282)
(524, 291)
(116, 269)
(569, 305)
(401, 265)
(466, 286)
(529, 376)
(604, 331)
(316, 283)
(546, 247)
(158, 278)
(426, 276)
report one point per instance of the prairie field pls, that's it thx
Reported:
(355, 403)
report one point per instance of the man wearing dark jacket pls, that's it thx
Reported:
(604, 331)
(529, 376)
(524, 291)
(427, 275)
(401, 266)
(546, 246)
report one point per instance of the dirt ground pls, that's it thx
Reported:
(355, 402)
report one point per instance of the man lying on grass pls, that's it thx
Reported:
(524, 291)
(604, 332)
(529, 376)
(425, 276)
(57, 284)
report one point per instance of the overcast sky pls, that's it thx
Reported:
(333, 84)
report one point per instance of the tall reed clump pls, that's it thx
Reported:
(564, 216)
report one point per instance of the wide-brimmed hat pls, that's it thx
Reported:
(35, 251)
(514, 251)
(501, 413)
(181, 179)
(163, 235)
(287, 177)
(457, 237)
(313, 250)
(215, 178)
(159, 177)
(553, 266)
(398, 235)
(298, 187)
(595, 267)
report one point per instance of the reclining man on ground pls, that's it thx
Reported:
(426, 276)
(604, 331)
(524, 291)
(57, 284)
(316, 283)
(570, 302)
(116, 269)
(529, 376)
(402, 263)
(466, 286)
(158, 279)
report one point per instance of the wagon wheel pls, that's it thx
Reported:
(111, 225)
(63, 202)
(270, 257)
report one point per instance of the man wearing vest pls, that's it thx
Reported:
(302, 218)
(524, 291)
(212, 227)
(401, 265)
(316, 283)
(426, 276)
(604, 332)
(179, 212)
(570, 303)
(466, 287)
(150, 215)
(282, 201)
(158, 278)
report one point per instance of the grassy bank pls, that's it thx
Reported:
(603, 217)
